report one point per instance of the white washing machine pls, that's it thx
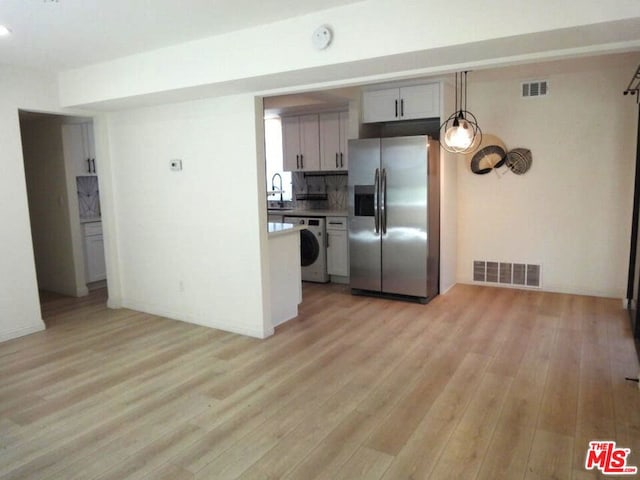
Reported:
(313, 248)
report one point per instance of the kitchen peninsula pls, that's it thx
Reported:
(285, 275)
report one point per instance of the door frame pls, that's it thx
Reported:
(633, 310)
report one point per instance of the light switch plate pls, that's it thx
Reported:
(175, 165)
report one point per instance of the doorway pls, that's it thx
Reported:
(61, 176)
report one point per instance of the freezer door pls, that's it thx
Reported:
(364, 228)
(404, 222)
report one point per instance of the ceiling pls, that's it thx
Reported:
(63, 34)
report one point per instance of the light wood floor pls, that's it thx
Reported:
(481, 383)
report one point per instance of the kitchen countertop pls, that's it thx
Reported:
(309, 213)
(277, 229)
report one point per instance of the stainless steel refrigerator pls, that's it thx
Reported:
(394, 216)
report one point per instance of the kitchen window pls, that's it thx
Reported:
(274, 158)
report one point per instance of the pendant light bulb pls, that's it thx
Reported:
(460, 133)
(460, 136)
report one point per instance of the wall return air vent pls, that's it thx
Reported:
(535, 89)
(506, 273)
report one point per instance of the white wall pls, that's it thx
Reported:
(19, 305)
(189, 243)
(572, 211)
(49, 204)
(374, 37)
(448, 202)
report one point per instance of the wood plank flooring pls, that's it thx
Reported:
(482, 383)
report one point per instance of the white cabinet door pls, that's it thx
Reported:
(330, 141)
(405, 103)
(90, 145)
(420, 101)
(79, 149)
(95, 268)
(310, 143)
(301, 143)
(291, 144)
(380, 105)
(337, 246)
(333, 140)
(344, 131)
(337, 253)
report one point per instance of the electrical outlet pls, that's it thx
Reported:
(175, 165)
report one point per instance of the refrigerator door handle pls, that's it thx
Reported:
(383, 201)
(376, 191)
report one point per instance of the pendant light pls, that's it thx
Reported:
(460, 133)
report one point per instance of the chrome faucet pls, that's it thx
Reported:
(273, 186)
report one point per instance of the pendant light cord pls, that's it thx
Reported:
(465, 90)
(456, 89)
(454, 139)
(461, 98)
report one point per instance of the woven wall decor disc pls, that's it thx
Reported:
(519, 160)
(487, 158)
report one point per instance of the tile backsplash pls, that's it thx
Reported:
(330, 191)
(88, 196)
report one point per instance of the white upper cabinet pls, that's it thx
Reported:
(301, 143)
(79, 148)
(404, 103)
(333, 140)
(291, 143)
(420, 101)
(380, 105)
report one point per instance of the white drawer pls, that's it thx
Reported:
(92, 228)
(336, 223)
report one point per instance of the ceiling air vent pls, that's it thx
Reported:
(535, 89)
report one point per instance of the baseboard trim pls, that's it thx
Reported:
(339, 279)
(114, 302)
(447, 289)
(21, 332)
(156, 310)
